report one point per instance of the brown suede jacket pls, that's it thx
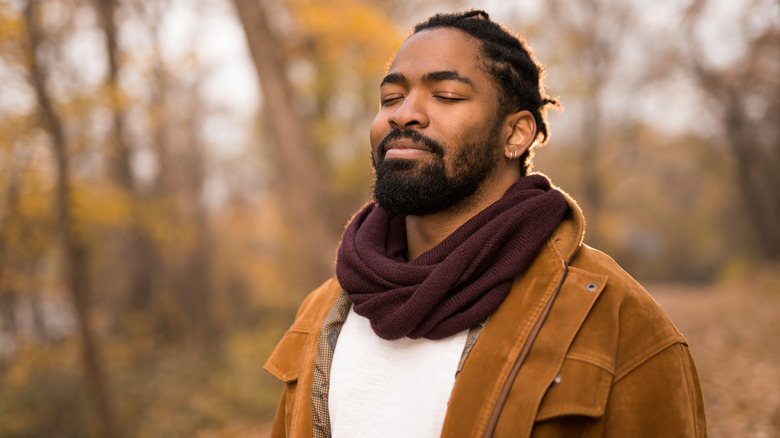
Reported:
(607, 361)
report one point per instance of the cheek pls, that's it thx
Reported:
(480, 141)
(379, 129)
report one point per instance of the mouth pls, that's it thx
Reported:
(405, 148)
(406, 144)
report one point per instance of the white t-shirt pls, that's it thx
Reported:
(399, 388)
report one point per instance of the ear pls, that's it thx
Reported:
(522, 133)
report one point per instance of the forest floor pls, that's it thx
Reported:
(734, 334)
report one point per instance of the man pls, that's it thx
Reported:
(465, 303)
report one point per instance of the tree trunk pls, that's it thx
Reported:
(755, 160)
(140, 252)
(120, 153)
(197, 269)
(8, 219)
(302, 185)
(755, 185)
(589, 167)
(73, 250)
(594, 61)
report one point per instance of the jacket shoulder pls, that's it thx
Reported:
(296, 344)
(637, 327)
(314, 304)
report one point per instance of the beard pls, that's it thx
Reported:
(408, 187)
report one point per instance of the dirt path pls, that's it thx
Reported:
(734, 333)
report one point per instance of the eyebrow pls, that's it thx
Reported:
(447, 75)
(393, 78)
(435, 76)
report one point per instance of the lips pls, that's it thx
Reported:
(407, 143)
(405, 153)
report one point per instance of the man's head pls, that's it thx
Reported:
(461, 102)
(511, 63)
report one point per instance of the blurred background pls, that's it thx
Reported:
(175, 176)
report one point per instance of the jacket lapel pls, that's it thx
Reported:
(485, 372)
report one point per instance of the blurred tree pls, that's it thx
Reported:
(302, 185)
(120, 151)
(326, 37)
(745, 95)
(25, 222)
(135, 246)
(194, 280)
(176, 114)
(8, 220)
(74, 250)
(588, 39)
(125, 102)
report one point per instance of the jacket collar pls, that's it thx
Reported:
(569, 235)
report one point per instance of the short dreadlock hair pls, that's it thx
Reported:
(510, 62)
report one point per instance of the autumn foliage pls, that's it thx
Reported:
(161, 216)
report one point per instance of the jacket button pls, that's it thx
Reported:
(556, 381)
(591, 287)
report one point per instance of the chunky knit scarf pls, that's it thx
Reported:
(458, 283)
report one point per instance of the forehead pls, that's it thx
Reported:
(438, 49)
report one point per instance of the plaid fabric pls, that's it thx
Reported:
(471, 340)
(329, 334)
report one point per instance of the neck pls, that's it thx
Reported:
(425, 232)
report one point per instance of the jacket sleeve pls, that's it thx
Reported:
(292, 362)
(284, 363)
(279, 428)
(659, 397)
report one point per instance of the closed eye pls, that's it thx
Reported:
(390, 100)
(449, 99)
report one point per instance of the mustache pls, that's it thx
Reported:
(409, 134)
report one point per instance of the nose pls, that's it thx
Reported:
(411, 112)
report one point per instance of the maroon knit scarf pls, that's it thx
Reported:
(458, 283)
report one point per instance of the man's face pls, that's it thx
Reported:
(437, 136)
